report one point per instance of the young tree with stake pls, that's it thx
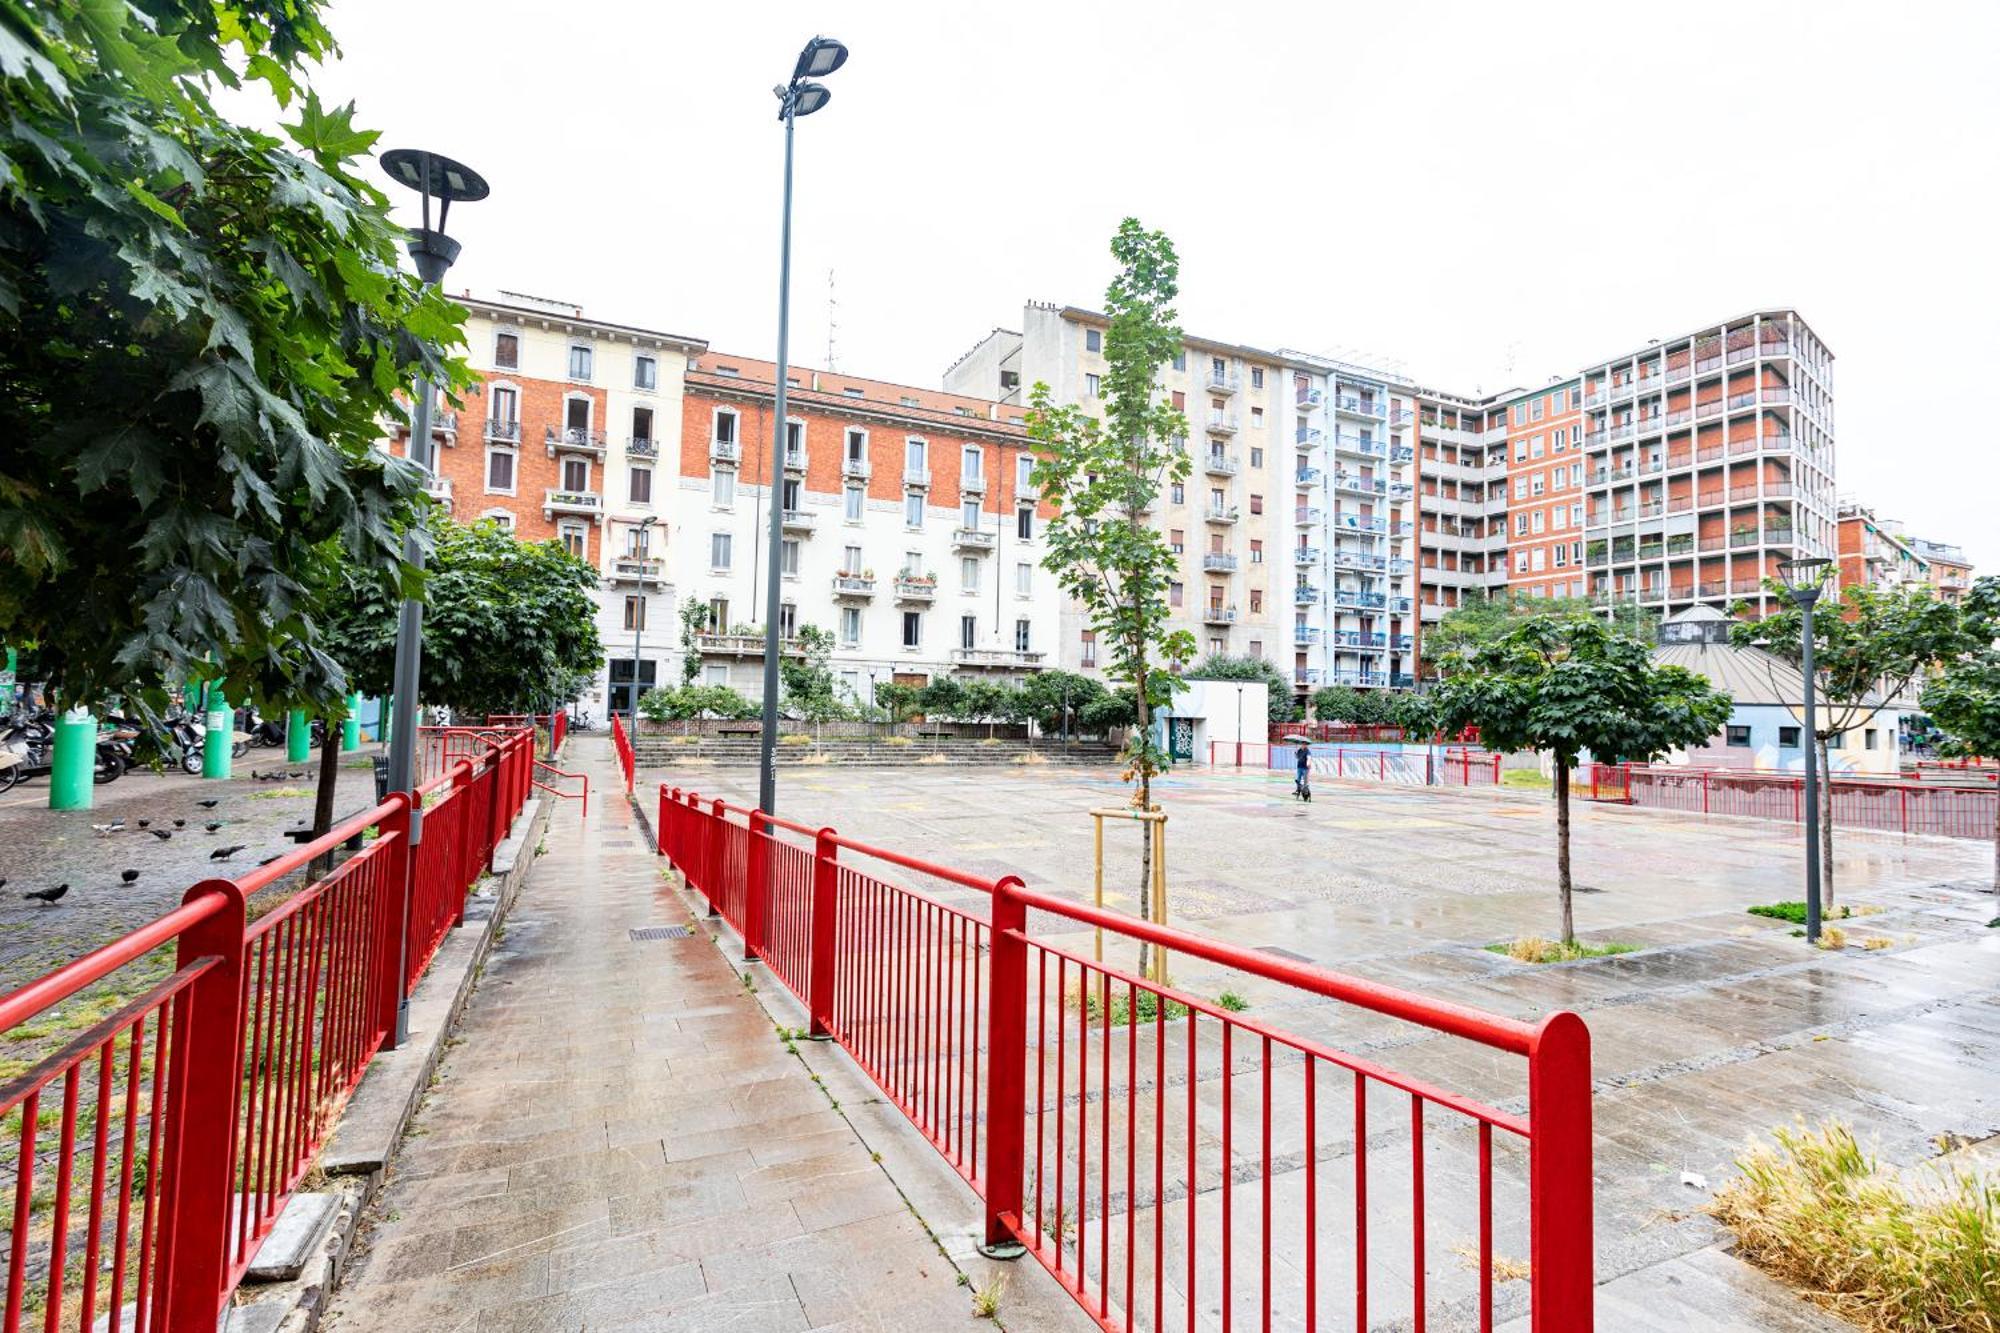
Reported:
(1103, 474)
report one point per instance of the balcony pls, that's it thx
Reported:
(916, 478)
(1347, 405)
(853, 587)
(1221, 423)
(1305, 555)
(574, 440)
(1346, 442)
(1216, 614)
(727, 453)
(1221, 514)
(1220, 464)
(975, 484)
(1222, 381)
(1346, 559)
(1305, 595)
(1402, 453)
(1356, 523)
(916, 588)
(640, 446)
(971, 539)
(742, 645)
(1307, 437)
(1307, 477)
(1302, 637)
(855, 469)
(800, 521)
(795, 461)
(1355, 598)
(1309, 400)
(503, 432)
(1354, 638)
(1306, 518)
(996, 659)
(1778, 396)
(1305, 675)
(1356, 484)
(640, 569)
(1217, 563)
(1404, 643)
(439, 489)
(572, 502)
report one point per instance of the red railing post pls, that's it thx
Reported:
(660, 823)
(757, 886)
(206, 1082)
(825, 932)
(1704, 791)
(712, 856)
(386, 986)
(1904, 792)
(1561, 1230)
(1006, 1065)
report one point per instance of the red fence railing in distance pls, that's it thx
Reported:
(1239, 754)
(1450, 766)
(1158, 1154)
(623, 745)
(547, 776)
(1887, 806)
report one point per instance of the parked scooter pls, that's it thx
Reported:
(28, 748)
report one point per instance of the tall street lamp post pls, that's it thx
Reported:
(800, 97)
(1803, 579)
(432, 176)
(638, 627)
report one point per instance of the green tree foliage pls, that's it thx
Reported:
(1480, 618)
(1570, 685)
(694, 619)
(1054, 700)
(989, 701)
(1361, 708)
(897, 701)
(508, 625)
(203, 328)
(810, 690)
(1109, 711)
(944, 699)
(1870, 647)
(1278, 702)
(684, 703)
(1103, 474)
(1963, 699)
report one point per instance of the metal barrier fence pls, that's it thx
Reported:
(180, 1124)
(1893, 807)
(623, 745)
(1157, 1153)
(554, 726)
(1451, 766)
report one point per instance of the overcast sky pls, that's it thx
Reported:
(1476, 195)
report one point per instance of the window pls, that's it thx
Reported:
(850, 504)
(725, 428)
(913, 564)
(1093, 340)
(1562, 555)
(1535, 410)
(1521, 524)
(500, 519)
(1256, 377)
(719, 552)
(913, 509)
(635, 613)
(1177, 540)
(507, 351)
(968, 573)
(1256, 504)
(1256, 550)
(576, 474)
(1535, 523)
(968, 515)
(1180, 360)
(1179, 401)
(1535, 447)
(645, 373)
(850, 626)
(1868, 739)
(1024, 523)
(715, 673)
(718, 614)
(1024, 474)
(1022, 631)
(916, 455)
(1737, 736)
(857, 446)
(971, 460)
(642, 423)
(1256, 418)
(1091, 385)
(795, 442)
(1175, 593)
(792, 495)
(500, 471)
(913, 629)
(642, 486)
(579, 361)
(1178, 493)
(788, 557)
(1837, 741)
(1537, 559)
(968, 632)
(1535, 484)
(1024, 579)
(788, 620)
(1256, 606)
(1788, 738)
(722, 487)
(573, 539)
(1256, 457)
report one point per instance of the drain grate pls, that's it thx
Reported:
(659, 932)
(1283, 953)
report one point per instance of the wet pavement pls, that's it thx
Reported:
(1718, 1027)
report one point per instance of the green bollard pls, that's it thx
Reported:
(218, 740)
(350, 729)
(298, 737)
(382, 710)
(70, 780)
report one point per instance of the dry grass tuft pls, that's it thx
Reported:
(1029, 757)
(1892, 1255)
(1878, 942)
(1535, 949)
(1833, 937)
(1504, 1269)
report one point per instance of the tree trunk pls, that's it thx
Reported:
(1825, 832)
(1562, 850)
(329, 779)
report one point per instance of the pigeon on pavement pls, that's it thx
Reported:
(160, 833)
(128, 875)
(224, 853)
(209, 804)
(47, 895)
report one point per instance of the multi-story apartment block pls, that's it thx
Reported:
(1294, 526)
(560, 439)
(1544, 483)
(1461, 501)
(1951, 572)
(1874, 553)
(911, 528)
(1710, 460)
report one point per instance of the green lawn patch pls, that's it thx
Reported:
(1535, 949)
(1529, 778)
(1796, 912)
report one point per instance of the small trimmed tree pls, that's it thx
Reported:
(1104, 474)
(1570, 685)
(809, 686)
(1053, 699)
(1871, 646)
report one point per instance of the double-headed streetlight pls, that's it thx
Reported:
(1804, 580)
(432, 176)
(801, 97)
(638, 627)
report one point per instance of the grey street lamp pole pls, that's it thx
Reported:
(433, 177)
(1802, 581)
(800, 97)
(638, 627)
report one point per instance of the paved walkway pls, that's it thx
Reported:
(618, 1139)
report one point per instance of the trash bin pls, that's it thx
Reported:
(381, 763)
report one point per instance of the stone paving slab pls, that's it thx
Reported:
(617, 1139)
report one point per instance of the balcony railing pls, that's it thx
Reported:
(573, 440)
(1308, 437)
(724, 451)
(1355, 597)
(1305, 594)
(917, 478)
(555, 501)
(641, 446)
(854, 587)
(1221, 423)
(795, 460)
(911, 588)
(1360, 407)
(1305, 555)
(855, 469)
(1222, 514)
(1354, 638)
(1357, 484)
(972, 483)
(1309, 399)
(1002, 658)
(1346, 559)
(1356, 523)
(742, 645)
(438, 488)
(503, 432)
(1217, 563)
(1347, 442)
(1305, 518)
(641, 569)
(1218, 615)
(1307, 477)
(972, 539)
(1304, 637)
(1222, 381)
(1220, 464)
(800, 520)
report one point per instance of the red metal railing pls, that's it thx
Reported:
(1893, 807)
(175, 1129)
(555, 726)
(1359, 733)
(1451, 766)
(623, 745)
(1160, 1155)
(547, 775)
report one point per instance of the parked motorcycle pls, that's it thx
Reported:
(270, 732)
(28, 747)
